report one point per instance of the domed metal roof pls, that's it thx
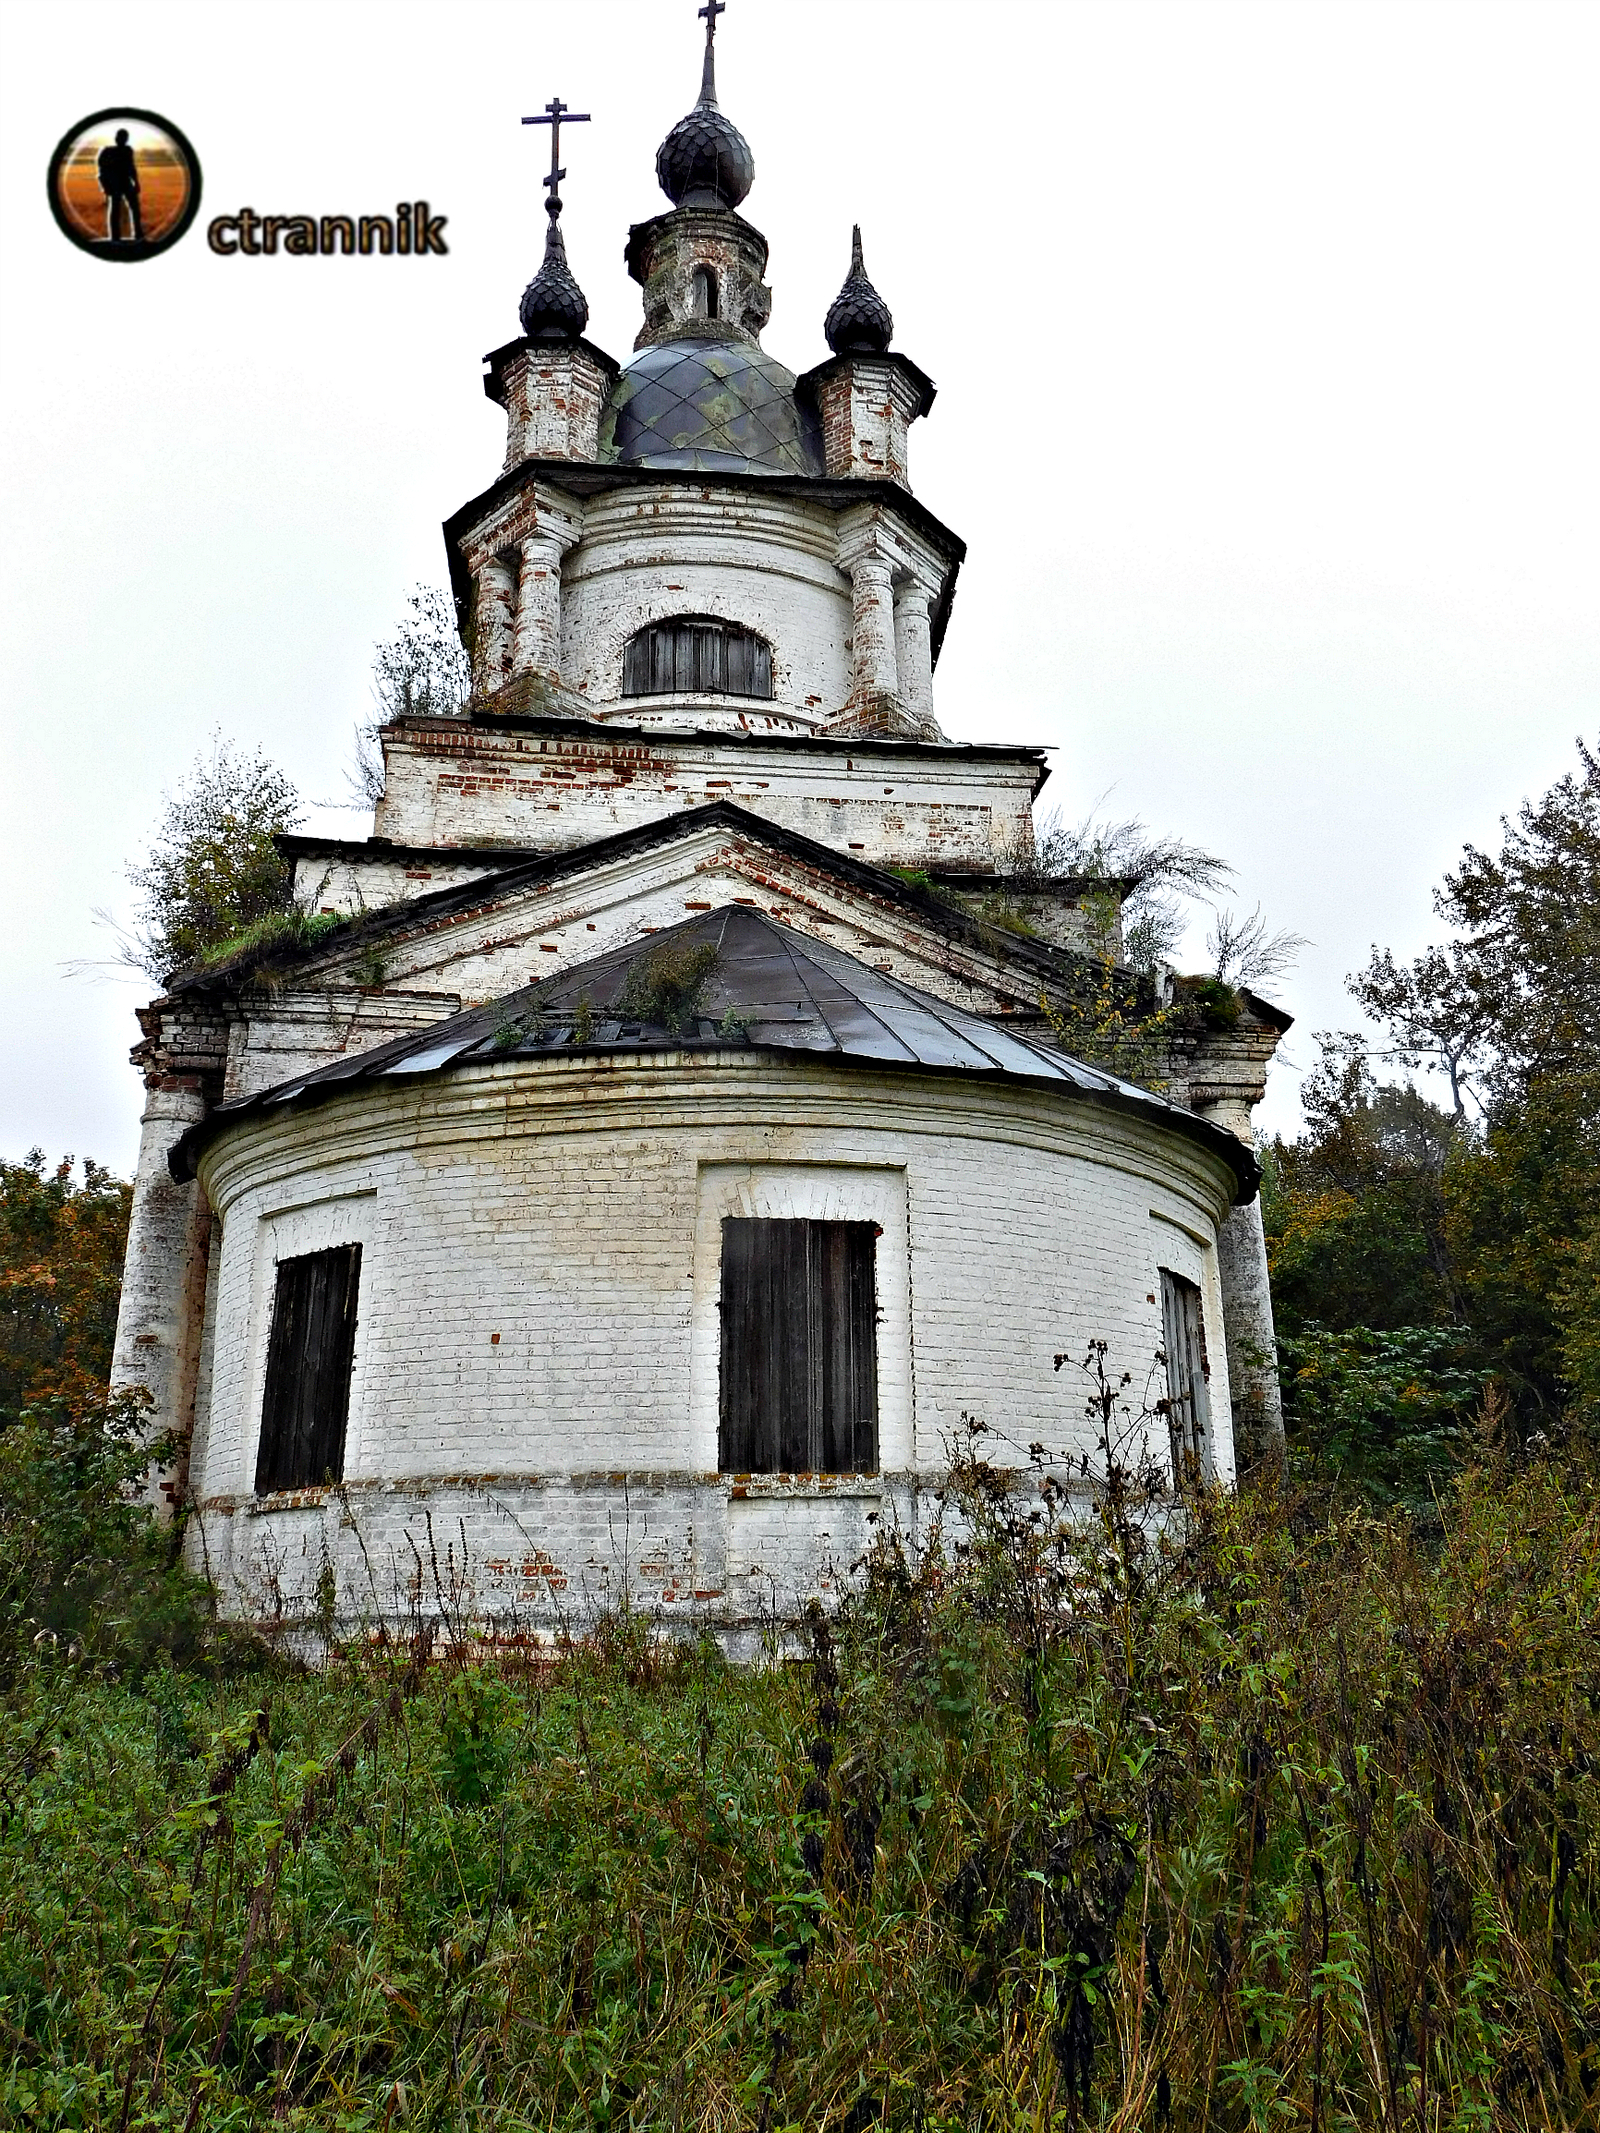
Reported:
(709, 407)
(859, 321)
(705, 161)
(554, 308)
(768, 989)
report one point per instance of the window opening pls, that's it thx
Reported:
(799, 1347)
(1183, 1332)
(309, 1354)
(705, 293)
(696, 654)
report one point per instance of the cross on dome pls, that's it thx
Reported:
(552, 116)
(554, 308)
(708, 74)
(705, 161)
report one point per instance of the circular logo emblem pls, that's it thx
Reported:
(124, 184)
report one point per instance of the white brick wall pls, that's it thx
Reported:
(536, 1357)
(768, 563)
(454, 783)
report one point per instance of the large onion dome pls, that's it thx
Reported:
(554, 308)
(705, 161)
(859, 322)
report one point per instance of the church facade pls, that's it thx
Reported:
(656, 1144)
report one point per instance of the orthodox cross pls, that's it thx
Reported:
(708, 79)
(553, 115)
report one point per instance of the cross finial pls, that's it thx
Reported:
(554, 115)
(708, 76)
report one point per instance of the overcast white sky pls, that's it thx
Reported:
(1267, 339)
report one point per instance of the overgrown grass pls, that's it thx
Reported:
(1285, 1822)
(279, 929)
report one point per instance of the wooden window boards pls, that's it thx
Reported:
(1183, 1338)
(799, 1347)
(696, 655)
(310, 1350)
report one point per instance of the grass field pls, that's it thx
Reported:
(1291, 1824)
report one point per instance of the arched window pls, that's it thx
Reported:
(699, 655)
(705, 293)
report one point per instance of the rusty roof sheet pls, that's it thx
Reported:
(769, 988)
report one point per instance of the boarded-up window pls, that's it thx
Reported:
(695, 654)
(309, 1353)
(1183, 1331)
(799, 1348)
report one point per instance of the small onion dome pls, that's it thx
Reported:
(859, 322)
(554, 308)
(705, 161)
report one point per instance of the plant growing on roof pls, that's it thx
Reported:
(279, 929)
(1210, 1002)
(1243, 952)
(213, 874)
(1148, 878)
(1109, 1017)
(665, 984)
(422, 671)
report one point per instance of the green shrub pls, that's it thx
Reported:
(83, 1565)
(664, 987)
(1387, 1415)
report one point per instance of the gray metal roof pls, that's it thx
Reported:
(703, 406)
(768, 987)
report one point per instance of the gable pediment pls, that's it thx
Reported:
(482, 938)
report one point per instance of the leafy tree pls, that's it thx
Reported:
(1435, 1013)
(213, 871)
(422, 671)
(1530, 915)
(61, 1247)
(81, 1560)
(1521, 1228)
(1388, 1413)
(1376, 1367)
(1390, 1211)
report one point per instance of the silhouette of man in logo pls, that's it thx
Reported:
(119, 181)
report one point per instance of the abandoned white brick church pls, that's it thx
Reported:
(668, 1146)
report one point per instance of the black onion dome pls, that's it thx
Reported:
(554, 308)
(859, 322)
(705, 161)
